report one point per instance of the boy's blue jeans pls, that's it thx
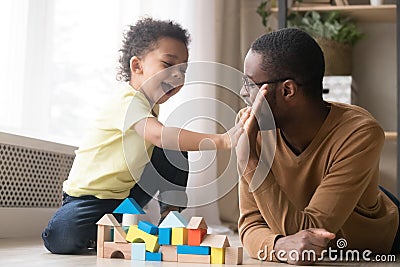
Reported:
(73, 229)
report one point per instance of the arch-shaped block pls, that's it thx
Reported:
(136, 235)
(114, 250)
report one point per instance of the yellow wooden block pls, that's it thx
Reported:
(135, 235)
(217, 255)
(179, 236)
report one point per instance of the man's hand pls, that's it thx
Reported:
(246, 151)
(310, 240)
(231, 138)
(251, 125)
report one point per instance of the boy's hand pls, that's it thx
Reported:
(230, 138)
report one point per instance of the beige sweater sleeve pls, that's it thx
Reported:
(255, 234)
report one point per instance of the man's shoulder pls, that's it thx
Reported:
(352, 122)
(353, 116)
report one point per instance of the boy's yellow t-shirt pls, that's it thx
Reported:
(112, 153)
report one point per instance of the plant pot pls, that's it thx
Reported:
(338, 57)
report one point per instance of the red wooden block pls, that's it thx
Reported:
(195, 236)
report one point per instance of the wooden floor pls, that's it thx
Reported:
(18, 252)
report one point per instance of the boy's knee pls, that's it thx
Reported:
(61, 240)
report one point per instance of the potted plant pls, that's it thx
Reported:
(335, 34)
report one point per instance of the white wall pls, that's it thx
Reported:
(375, 70)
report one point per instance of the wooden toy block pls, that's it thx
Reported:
(234, 255)
(153, 256)
(108, 219)
(197, 223)
(117, 250)
(130, 206)
(217, 255)
(148, 227)
(129, 219)
(193, 258)
(138, 251)
(196, 250)
(173, 220)
(179, 236)
(164, 236)
(215, 241)
(169, 253)
(195, 236)
(119, 235)
(135, 235)
(100, 240)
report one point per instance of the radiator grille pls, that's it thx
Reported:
(32, 177)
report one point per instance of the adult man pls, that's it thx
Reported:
(323, 182)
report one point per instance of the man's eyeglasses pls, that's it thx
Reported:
(250, 85)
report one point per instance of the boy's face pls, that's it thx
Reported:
(163, 70)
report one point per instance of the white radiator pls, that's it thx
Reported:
(31, 176)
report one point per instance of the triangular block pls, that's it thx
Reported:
(215, 241)
(119, 235)
(129, 206)
(109, 220)
(173, 220)
(197, 223)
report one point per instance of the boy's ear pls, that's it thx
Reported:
(136, 65)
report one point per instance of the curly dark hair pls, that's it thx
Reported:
(142, 38)
(292, 53)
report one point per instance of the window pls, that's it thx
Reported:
(59, 60)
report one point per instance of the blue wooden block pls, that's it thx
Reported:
(148, 227)
(153, 256)
(164, 236)
(197, 250)
(129, 206)
(138, 251)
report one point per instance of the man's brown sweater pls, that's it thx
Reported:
(333, 184)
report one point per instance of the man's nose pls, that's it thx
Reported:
(243, 92)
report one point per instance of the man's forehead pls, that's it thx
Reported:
(252, 64)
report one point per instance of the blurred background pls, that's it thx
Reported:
(59, 59)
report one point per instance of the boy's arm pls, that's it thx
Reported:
(180, 139)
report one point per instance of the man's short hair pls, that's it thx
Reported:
(292, 53)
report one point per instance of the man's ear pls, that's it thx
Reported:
(289, 89)
(136, 65)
